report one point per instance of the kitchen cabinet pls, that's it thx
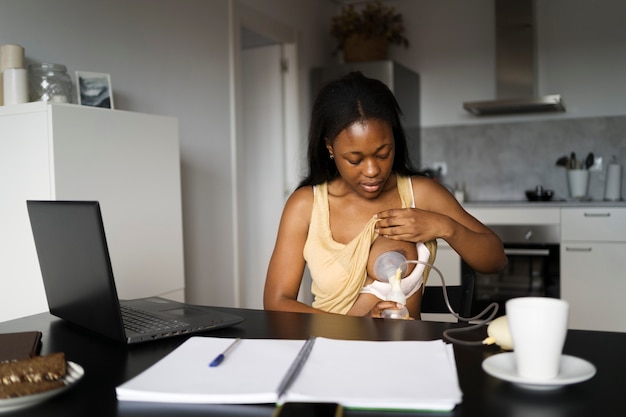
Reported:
(593, 265)
(128, 161)
(516, 215)
(592, 244)
(449, 263)
(498, 216)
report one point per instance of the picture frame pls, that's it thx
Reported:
(94, 89)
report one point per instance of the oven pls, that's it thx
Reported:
(533, 269)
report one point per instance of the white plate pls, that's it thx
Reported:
(74, 373)
(572, 371)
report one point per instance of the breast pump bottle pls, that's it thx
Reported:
(391, 267)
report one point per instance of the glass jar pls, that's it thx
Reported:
(50, 82)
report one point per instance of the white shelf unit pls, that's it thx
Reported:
(129, 162)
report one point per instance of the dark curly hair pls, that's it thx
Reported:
(341, 103)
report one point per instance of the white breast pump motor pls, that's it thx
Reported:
(391, 267)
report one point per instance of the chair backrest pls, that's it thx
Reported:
(460, 297)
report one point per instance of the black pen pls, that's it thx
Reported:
(219, 358)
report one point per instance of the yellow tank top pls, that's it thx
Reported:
(339, 270)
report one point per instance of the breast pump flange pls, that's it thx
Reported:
(391, 267)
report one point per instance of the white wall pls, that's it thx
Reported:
(167, 57)
(164, 57)
(580, 46)
(171, 57)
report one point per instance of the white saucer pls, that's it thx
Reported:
(572, 371)
(74, 373)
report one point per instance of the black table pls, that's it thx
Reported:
(107, 364)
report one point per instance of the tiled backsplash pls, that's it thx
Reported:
(501, 161)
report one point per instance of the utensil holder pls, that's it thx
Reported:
(578, 181)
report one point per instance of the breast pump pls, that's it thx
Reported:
(391, 266)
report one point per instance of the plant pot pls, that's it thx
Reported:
(358, 48)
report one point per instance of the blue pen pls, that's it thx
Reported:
(220, 358)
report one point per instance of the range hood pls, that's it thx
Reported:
(515, 65)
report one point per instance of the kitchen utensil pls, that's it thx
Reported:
(539, 194)
(589, 160)
(573, 163)
(563, 161)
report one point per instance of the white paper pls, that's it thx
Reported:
(379, 375)
(250, 373)
(359, 374)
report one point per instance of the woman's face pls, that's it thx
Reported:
(364, 153)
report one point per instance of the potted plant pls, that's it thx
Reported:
(364, 34)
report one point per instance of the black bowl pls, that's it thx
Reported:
(543, 195)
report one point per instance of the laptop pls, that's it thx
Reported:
(80, 287)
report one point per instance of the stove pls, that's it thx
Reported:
(533, 269)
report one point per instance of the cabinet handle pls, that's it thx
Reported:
(577, 249)
(531, 252)
(597, 214)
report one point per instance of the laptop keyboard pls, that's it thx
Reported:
(142, 322)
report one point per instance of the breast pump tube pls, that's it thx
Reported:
(391, 267)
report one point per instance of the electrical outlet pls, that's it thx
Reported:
(597, 164)
(440, 167)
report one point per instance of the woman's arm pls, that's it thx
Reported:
(284, 274)
(439, 215)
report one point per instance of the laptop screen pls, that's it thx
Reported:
(75, 266)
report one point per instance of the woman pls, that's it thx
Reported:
(361, 189)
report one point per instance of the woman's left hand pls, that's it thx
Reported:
(409, 224)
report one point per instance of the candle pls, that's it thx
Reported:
(11, 56)
(15, 86)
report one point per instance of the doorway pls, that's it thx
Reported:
(266, 145)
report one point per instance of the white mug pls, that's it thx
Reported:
(538, 327)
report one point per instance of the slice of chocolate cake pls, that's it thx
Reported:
(33, 375)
